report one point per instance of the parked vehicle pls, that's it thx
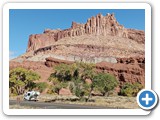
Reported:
(31, 95)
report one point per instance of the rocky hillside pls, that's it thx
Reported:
(98, 25)
(101, 40)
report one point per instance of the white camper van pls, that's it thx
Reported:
(31, 95)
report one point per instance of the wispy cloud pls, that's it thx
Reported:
(11, 55)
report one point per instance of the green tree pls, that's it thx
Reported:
(78, 90)
(104, 82)
(85, 70)
(81, 89)
(53, 79)
(63, 72)
(57, 87)
(75, 75)
(21, 79)
(73, 71)
(41, 86)
(131, 90)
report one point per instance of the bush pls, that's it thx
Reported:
(87, 89)
(72, 87)
(79, 92)
(57, 87)
(131, 90)
(41, 86)
(50, 90)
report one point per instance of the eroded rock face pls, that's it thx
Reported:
(27, 65)
(136, 35)
(97, 25)
(126, 70)
(40, 40)
(50, 62)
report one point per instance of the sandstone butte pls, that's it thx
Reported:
(101, 40)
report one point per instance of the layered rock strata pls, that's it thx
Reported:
(126, 70)
(97, 25)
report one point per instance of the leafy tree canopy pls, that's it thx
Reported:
(104, 82)
(21, 79)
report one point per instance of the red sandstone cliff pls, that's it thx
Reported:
(97, 25)
(126, 69)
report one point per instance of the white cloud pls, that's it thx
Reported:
(11, 55)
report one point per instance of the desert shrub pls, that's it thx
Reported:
(50, 90)
(79, 92)
(131, 90)
(72, 87)
(41, 86)
(57, 87)
(83, 90)
(104, 82)
(112, 93)
(87, 89)
(64, 85)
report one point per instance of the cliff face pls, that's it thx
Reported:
(98, 25)
(126, 69)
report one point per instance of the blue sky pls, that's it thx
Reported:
(24, 22)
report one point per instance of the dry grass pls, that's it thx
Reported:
(111, 102)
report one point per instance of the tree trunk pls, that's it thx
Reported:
(89, 94)
(106, 94)
(17, 90)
